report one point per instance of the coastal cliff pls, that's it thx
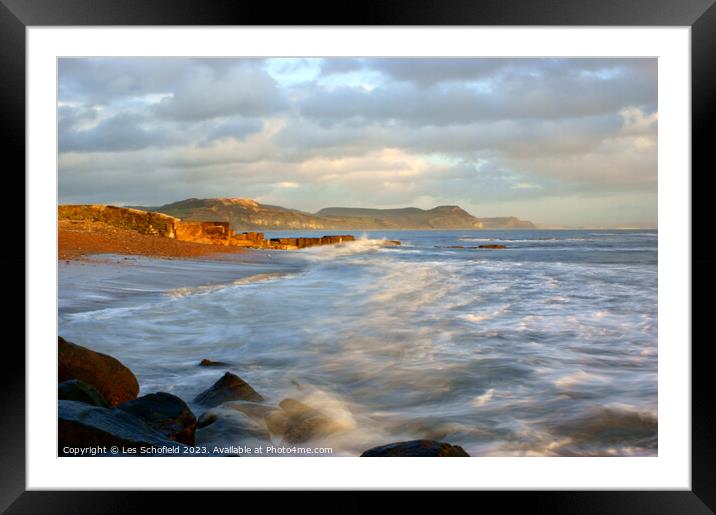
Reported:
(193, 231)
(247, 214)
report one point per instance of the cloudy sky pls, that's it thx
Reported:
(555, 141)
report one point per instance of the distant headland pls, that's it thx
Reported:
(247, 214)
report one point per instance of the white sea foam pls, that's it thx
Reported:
(209, 288)
(329, 252)
(580, 377)
(483, 399)
(481, 317)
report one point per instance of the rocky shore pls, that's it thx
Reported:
(99, 228)
(100, 414)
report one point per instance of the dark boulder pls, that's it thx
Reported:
(81, 425)
(76, 390)
(206, 419)
(416, 448)
(229, 388)
(208, 363)
(165, 413)
(492, 246)
(114, 381)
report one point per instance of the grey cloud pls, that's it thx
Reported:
(538, 97)
(124, 131)
(245, 91)
(427, 72)
(527, 138)
(104, 80)
(69, 117)
(236, 129)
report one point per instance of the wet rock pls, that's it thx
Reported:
(271, 418)
(308, 428)
(208, 363)
(229, 388)
(206, 419)
(416, 448)
(492, 246)
(277, 422)
(591, 432)
(256, 411)
(298, 422)
(83, 425)
(230, 427)
(294, 408)
(166, 413)
(76, 390)
(115, 382)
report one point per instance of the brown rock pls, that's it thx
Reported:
(229, 388)
(144, 222)
(301, 430)
(115, 382)
(492, 246)
(277, 422)
(208, 363)
(299, 422)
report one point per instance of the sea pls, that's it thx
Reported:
(545, 348)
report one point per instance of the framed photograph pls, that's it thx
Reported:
(281, 250)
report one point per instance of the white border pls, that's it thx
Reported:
(670, 470)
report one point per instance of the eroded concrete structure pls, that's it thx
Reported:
(159, 224)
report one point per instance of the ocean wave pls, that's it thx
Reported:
(209, 288)
(362, 245)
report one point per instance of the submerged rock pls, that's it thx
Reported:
(416, 448)
(298, 422)
(253, 410)
(229, 388)
(76, 390)
(206, 419)
(166, 413)
(115, 382)
(208, 363)
(83, 425)
(229, 427)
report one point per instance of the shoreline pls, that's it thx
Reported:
(77, 240)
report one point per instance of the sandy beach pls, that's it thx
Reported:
(78, 239)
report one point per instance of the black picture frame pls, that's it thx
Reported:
(17, 15)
